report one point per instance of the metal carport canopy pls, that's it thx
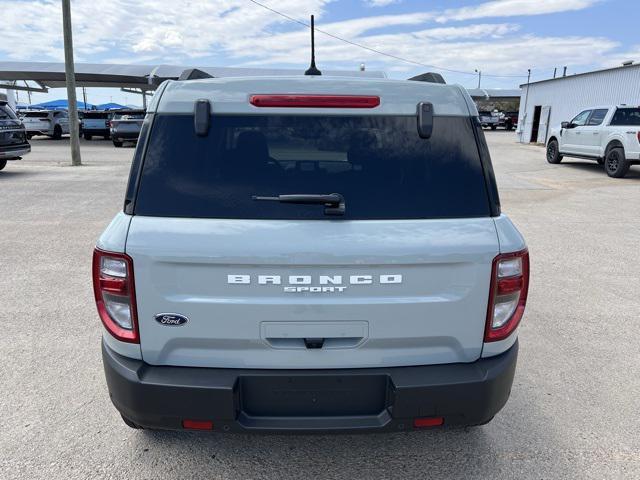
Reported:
(145, 77)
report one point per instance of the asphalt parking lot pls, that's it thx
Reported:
(574, 408)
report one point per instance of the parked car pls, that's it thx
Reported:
(96, 123)
(608, 135)
(489, 119)
(509, 120)
(257, 281)
(125, 126)
(52, 123)
(13, 138)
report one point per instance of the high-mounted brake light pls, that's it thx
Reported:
(315, 101)
(507, 295)
(115, 296)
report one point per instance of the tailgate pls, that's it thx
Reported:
(94, 124)
(377, 293)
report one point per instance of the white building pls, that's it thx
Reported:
(546, 103)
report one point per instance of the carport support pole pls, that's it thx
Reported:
(71, 83)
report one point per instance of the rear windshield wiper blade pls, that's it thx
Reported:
(333, 202)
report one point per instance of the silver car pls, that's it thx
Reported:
(52, 123)
(125, 126)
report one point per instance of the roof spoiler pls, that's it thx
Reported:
(194, 74)
(430, 77)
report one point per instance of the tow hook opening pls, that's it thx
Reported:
(314, 342)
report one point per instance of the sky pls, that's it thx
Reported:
(501, 38)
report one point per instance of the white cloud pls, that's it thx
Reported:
(380, 3)
(512, 8)
(237, 32)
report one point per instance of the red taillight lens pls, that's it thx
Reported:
(113, 287)
(315, 101)
(197, 424)
(638, 137)
(507, 295)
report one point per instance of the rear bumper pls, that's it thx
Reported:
(98, 132)
(14, 151)
(124, 135)
(372, 399)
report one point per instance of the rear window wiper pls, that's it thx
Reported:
(333, 202)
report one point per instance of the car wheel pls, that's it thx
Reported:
(493, 127)
(130, 423)
(57, 133)
(3, 163)
(117, 144)
(509, 126)
(87, 136)
(29, 136)
(553, 152)
(615, 164)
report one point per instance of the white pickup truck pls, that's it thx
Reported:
(609, 135)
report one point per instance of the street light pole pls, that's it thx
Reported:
(479, 77)
(71, 83)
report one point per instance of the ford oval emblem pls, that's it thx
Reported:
(171, 319)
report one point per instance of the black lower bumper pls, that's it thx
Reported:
(10, 152)
(371, 399)
(125, 136)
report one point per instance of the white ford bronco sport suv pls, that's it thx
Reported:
(609, 135)
(310, 254)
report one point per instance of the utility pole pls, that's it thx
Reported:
(84, 97)
(479, 77)
(71, 83)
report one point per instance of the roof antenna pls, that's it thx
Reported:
(312, 70)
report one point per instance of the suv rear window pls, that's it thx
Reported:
(36, 114)
(96, 115)
(626, 116)
(380, 165)
(129, 116)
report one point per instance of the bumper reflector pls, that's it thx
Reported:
(428, 422)
(197, 424)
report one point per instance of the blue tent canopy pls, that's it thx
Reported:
(110, 106)
(62, 105)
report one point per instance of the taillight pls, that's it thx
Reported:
(108, 124)
(638, 137)
(113, 287)
(507, 295)
(315, 101)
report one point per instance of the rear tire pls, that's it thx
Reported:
(57, 132)
(3, 163)
(493, 127)
(615, 164)
(553, 152)
(117, 144)
(509, 126)
(87, 136)
(130, 423)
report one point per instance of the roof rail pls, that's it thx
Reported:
(194, 74)
(430, 77)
